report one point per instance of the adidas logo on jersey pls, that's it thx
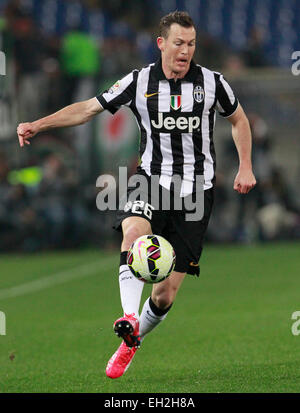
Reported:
(183, 123)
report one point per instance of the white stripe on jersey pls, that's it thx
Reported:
(189, 164)
(210, 91)
(165, 138)
(141, 105)
(187, 100)
(187, 141)
(228, 89)
(118, 90)
(229, 92)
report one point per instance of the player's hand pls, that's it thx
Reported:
(244, 181)
(25, 132)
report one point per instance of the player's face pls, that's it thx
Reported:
(177, 49)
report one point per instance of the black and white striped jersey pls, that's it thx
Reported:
(176, 119)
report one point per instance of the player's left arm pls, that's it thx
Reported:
(241, 133)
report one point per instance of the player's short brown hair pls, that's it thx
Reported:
(180, 17)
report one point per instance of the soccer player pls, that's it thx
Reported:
(175, 102)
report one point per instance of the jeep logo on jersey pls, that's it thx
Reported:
(198, 94)
(175, 101)
(166, 123)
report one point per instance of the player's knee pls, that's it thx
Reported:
(130, 234)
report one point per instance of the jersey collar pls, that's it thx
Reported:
(190, 76)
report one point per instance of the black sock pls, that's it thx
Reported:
(123, 258)
(158, 311)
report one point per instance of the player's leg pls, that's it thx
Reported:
(134, 222)
(164, 293)
(132, 228)
(131, 289)
(157, 306)
(186, 238)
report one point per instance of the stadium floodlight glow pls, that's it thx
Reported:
(2, 63)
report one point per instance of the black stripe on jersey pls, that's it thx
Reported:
(143, 137)
(197, 136)
(223, 98)
(211, 120)
(152, 106)
(176, 138)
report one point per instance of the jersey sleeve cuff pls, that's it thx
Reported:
(231, 112)
(106, 105)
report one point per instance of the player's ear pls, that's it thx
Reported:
(160, 43)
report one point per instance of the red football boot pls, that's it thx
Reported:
(120, 361)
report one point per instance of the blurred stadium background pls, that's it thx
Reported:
(54, 241)
(62, 51)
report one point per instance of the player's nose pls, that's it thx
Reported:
(184, 50)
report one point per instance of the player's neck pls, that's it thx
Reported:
(173, 75)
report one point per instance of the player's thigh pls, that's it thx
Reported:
(164, 293)
(134, 227)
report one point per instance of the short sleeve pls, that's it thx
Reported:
(227, 103)
(121, 93)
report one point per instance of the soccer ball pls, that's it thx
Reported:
(151, 258)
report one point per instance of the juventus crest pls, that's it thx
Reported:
(198, 94)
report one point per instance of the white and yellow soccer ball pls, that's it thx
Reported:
(151, 258)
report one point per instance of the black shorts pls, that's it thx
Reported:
(185, 236)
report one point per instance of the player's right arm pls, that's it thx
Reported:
(72, 115)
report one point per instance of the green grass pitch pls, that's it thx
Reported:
(228, 331)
